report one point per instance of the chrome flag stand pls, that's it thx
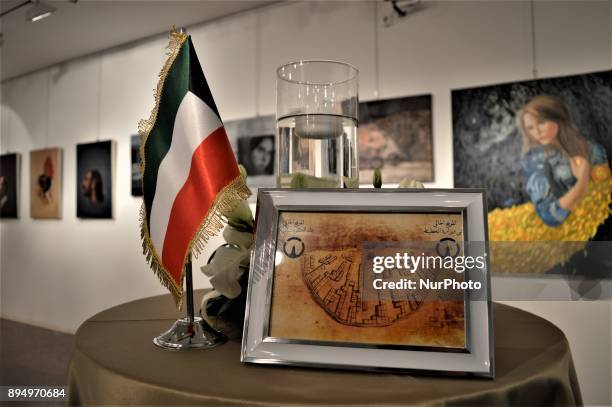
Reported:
(190, 332)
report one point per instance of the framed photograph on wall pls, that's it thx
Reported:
(10, 170)
(396, 136)
(254, 143)
(135, 165)
(256, 154)
(46, 183)
(380, 283)
(95, 171)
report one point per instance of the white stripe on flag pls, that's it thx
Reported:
(193, 123)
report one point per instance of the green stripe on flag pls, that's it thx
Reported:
(158, 142)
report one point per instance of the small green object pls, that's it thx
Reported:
(350, 182)
(410, 183)
(377, 178)
(241, 217)
(300, 180)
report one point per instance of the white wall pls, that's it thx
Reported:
(56, 273)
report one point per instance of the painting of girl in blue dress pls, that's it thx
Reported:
(557, 160)
(541, 148)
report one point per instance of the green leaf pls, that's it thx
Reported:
(241, 217)
(300, 180)
(350, 182)
(377, 178)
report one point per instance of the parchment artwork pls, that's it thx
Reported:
(322, 288)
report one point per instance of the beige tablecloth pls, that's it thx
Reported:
(116, 362)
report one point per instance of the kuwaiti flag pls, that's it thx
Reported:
(189, 174)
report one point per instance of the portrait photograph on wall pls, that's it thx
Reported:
(95, 180)
(542, 149)
(256, 154)
(9, 185)
(395, 135)
(253, 141)
(135, 166)
(46, 183)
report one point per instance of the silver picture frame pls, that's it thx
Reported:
(258, 346)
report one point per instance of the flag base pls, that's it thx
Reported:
(190, 334)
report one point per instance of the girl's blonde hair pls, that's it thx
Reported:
(550, 108)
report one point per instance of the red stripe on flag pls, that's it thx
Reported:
(213, 166)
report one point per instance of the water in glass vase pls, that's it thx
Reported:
(317, 151)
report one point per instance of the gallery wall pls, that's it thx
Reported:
(57, 273)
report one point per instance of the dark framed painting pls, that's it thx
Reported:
(46, 183)
(10, 167)
(95, 180)
(135, 165)
(395, 135)
(542, 149)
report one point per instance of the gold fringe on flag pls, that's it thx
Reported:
(221, 207)
(213, 222)
(176, 41)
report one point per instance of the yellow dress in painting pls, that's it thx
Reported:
(541, 250)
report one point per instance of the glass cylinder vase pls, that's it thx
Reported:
(317, 119)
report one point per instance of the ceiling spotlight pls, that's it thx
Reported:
(39, 10)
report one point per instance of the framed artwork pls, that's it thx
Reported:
(529, 143)
(95, 180)
(256, 154)
(46, 183)
(10, 170)
(254, 143)
(361, 304)
(135, 167)
(395, 135)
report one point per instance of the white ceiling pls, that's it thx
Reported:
(89, 26)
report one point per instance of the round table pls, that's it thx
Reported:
(116, 362)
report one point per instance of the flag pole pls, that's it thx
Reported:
(190, 332)
(188, 268)
(189, 290)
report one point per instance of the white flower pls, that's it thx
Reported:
(230, 262)
(410, 183)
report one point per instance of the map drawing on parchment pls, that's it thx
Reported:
(318, 292)
(333, 279)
